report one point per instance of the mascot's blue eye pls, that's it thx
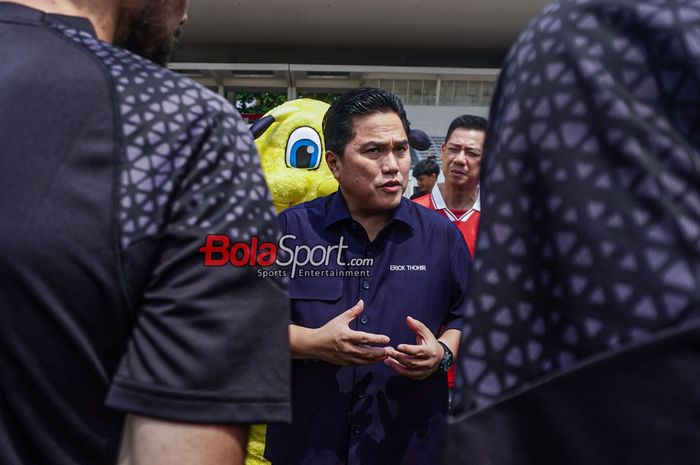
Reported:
(303, 149)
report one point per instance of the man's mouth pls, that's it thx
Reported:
(391, 186)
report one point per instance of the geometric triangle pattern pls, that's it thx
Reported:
(188, 161)
(590, 233)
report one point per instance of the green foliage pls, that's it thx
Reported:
(262, 102)
(258, 102)
(324, 97)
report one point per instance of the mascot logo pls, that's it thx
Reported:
(291, 150)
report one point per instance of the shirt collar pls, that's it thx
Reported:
(477, 201)
(439, 201)
(24, 14)
(338, 211)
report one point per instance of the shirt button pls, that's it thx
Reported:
(365, 285)
(360, 394)
(364, 319)
(357, 429)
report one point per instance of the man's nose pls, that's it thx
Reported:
(461, 157)
(391, 163)
(184, 19)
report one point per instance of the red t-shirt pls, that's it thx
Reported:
(467, 221)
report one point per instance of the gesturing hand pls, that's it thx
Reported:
(340, 345)
(420, 360)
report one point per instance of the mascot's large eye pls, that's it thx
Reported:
(303, 149)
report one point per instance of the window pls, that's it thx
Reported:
(461, 93)
(423, 92)
(487, 92)
(401, 89)
(474, 93)
(466, 93)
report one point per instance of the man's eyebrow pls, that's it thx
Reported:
(374, 143)
(464, 147)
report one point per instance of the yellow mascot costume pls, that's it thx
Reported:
(290, 142)
(289, 139)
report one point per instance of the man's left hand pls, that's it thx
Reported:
(420, 360)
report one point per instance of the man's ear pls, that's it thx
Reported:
(433, 176)
(334, 163)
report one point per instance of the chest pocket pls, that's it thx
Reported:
(315, 301)
(329, 290)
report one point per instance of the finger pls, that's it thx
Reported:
(364, 355)
(412, 363)
(402, 370)
(419, 328)
(401, 351)
(352, 313)
(374, 354)
(418, 351)
(396, 365)
(407, 361)
(363, 338)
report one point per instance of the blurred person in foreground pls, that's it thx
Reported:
(113, 334)
(581, 339)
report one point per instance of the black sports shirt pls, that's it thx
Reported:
(112, 172)
(581, 342)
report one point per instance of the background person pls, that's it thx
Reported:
(426, 174)
(458, 197)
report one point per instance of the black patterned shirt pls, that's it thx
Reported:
(113, 171)
(581, 339)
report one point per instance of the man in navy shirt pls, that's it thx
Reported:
(113, 172)
(373, 325)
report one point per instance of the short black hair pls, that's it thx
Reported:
(473, 122)
(338, 126)
(426, 167)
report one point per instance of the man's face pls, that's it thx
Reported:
(426, 182)
(149, 27)
(373, 170)
(461, 157)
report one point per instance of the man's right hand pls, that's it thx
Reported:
(336, 343)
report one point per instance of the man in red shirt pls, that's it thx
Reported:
(458, 197)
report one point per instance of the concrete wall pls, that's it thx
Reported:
(435, 120)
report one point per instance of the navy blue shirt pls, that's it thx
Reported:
(112, 172)
(370, 414)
